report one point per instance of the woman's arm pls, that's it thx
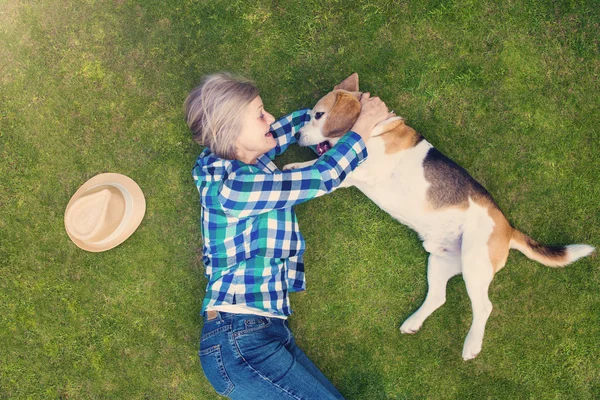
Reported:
(249, 191)
(285, 128)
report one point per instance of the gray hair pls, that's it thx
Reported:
(214, 111)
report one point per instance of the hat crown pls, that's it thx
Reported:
(104, 212)
(98, 214)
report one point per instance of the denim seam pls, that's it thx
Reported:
(222, 370)
(258, 372)
(215, 332)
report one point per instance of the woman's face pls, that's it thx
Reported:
(255, 138)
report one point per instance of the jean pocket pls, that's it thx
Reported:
(259, 337)
(253, 324)
(214, 370)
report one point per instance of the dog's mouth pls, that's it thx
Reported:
(323, 147)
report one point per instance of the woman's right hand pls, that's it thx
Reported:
(372, 112)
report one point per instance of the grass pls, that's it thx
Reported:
(509, 90)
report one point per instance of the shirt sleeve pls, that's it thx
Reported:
(285, 128)
(249, 191)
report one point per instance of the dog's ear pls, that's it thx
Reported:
(350, 83)
(342, 115)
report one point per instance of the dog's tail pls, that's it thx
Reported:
(550, 256)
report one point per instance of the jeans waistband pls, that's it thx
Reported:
(215, 315)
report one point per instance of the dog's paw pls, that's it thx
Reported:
(471, 349)
(410, 326)
(291, 166)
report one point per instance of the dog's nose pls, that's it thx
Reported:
(297, 135)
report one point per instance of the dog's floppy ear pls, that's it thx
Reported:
(342, 116)
(350, 83)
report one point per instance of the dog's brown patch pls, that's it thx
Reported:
(399, 136)
(342, 115)
(499, 241)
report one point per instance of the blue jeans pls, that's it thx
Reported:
(256, 357)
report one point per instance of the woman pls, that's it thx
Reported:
(252, 244)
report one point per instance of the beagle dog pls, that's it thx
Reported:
(461, 226)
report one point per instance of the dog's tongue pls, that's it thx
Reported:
(322, 148)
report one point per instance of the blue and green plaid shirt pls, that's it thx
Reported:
(252, 250)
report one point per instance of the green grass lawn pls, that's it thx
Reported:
(509, 90)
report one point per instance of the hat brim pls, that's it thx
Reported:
(138, 211)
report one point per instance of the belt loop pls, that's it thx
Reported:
(211, 314)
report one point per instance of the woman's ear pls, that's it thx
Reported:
(350, 83)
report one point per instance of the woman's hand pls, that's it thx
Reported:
(372, 112)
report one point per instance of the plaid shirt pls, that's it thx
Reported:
(252, 250)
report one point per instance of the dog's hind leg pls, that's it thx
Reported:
(478, 273)
(439, 271)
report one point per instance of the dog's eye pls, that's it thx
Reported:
(319, 115)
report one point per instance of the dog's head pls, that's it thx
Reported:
(332, 116)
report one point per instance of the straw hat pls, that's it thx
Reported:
(104, 212)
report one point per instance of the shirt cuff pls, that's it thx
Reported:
(357, 144)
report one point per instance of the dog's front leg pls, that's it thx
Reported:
(298, 165)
